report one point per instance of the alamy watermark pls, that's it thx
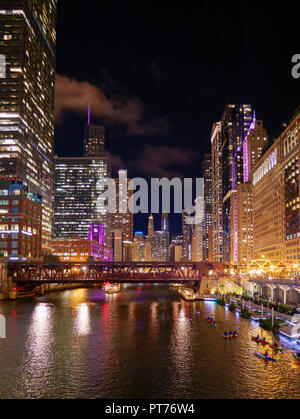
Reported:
(2, 66)
(2, 327)
(136, 197)
(296, 67)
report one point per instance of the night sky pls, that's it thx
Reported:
(158, 75)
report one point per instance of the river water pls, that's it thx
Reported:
(145, 342)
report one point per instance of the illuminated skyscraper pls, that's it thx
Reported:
(120, 225)
(138, 246)
(150, 226)
(28, 39)
(235, 124)
(253, 145)
(187, 234)
(217, 201)
(77, 190)
(94, 141)
(207, 220)
(164, 222)
(241, 216)
(276, 198)
(160, 246)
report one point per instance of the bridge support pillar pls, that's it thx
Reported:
(272, 287)
(285, 290)
(6, 284)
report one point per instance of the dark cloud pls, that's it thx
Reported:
(160, 161)
(73, 96)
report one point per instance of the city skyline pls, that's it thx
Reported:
(149, 203)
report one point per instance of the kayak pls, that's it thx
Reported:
(263, 356)
(276, 348)
(296, 356)
(260, 340)
(235, 335)
(225, 336)
(210, 321)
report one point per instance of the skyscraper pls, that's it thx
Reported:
(235, 124)
(28, 39)
(160, 246)
(253, 145)
(77, 190)
(150, 226)
(119, 224)
(187, 234)
(94, 141)
(217, 201)
(242, 239)
(276, 198)
(164, 222)
(207, 219)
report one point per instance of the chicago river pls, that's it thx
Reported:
(144, 342)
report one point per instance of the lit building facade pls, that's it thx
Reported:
(187, 236)
(244, 244)
(79, 250)
(254, 143)
(276, 221)
(160, 246)
(198, 233)
(207, 220)
(94, 141)
(138, 247)
(20, 222)
(217, 201)
(120, 224)
(235, 124)
(28, 40)
(77, 204)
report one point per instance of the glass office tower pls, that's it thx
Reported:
(235, 125)
(77, 190)
(27, 41)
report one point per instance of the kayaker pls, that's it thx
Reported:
(225, 334)
(214, 324)
(267, 353)
(230, 333)
(264, 339)
(257, 337)
(235, 332)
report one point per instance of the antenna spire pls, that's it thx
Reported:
(89, 115)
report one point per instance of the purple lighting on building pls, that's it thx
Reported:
(97, 234)
(89, 115)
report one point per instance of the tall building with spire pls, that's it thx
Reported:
(94, 139)
(28, 42)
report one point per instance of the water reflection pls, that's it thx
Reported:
(82, 321)
(140, 343)
(38, 357)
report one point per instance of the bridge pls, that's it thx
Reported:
(38, 273)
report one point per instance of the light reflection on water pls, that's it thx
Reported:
(141, 343)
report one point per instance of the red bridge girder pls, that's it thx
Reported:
(99, 272)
